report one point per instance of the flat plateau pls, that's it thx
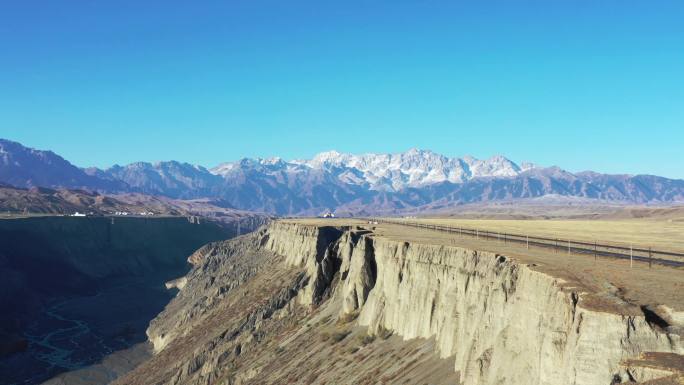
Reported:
(610, 284)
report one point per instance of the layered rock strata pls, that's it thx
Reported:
(493, 318)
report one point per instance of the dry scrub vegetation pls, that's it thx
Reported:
(660, 234)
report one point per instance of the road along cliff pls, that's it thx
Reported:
(304, 302)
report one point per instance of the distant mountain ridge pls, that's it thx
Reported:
(174, 179)
(27, 167)
(348, 184)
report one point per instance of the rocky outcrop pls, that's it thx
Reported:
(493, 318)
(220, 267)
(311, 247)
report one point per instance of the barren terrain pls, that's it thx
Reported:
(344, 301)
(666, 234)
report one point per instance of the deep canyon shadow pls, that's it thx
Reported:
(73, 290)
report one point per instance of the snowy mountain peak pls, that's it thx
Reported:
(383, 172)
(272, 161)
(327, 159)
(328, 155)
(419, 152)
(495, 166)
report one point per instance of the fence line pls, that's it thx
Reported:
(557, 244)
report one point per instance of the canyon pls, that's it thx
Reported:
(75, 289)
(351, 302)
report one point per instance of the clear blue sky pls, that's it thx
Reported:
(573, 83)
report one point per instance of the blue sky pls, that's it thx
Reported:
(570, 83)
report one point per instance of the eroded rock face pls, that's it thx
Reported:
(503, 321)
(498, 320)
(359, 279)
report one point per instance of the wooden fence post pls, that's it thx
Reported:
(650, 257)
(527, 238)
(631, 261)
(568, 246)
(595, 250)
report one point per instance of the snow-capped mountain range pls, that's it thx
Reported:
(387, 172)
(414, 180)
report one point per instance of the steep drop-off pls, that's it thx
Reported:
(75, 289)
(304, 304)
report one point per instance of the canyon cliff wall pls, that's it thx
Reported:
(495, 319)
(500, 320)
